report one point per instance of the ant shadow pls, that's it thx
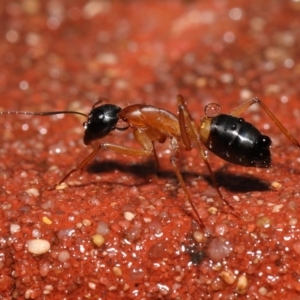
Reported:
(238, 183)
(141, 170)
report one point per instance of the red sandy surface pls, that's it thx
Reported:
(58, 55)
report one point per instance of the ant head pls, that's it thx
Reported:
(101, 121)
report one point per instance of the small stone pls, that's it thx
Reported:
(33, 192)
(87, 222)
(242, 285)
(117, 271)
(293, 221)
(48, 289)
(263, 291)
(236, 198)
(218, 249)
(14, 228)
(38, 246)
(213, 210)
(277, 208)
(61, 186)
(46, 220)
(98, 239)
(228, 277)
(63, 256)
(92, 285)
(263, 222)
(276, 185)
(129, 216)
(198, 236)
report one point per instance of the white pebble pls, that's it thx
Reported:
(61, 186)
(33, 192)
(276, 185)
(28, 293)
(277, 208)
(129, 216)
(48, 289)
(14, 228)
(236, 198)
(38, 246)
(92, 285)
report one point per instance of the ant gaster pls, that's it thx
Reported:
(226, 135)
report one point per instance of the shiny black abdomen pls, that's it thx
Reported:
(239, 142)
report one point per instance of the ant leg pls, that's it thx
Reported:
(115, 148)
(174, 160)
(79, 167)
(155, 156)
(188, 130)
(142, 137)
(237, 111)
(204, 156)
(100, 100)
(187, 126)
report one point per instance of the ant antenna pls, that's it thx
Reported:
(46, 113)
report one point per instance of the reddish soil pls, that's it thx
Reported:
(65, 55)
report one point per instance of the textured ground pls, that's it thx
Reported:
(57, 55)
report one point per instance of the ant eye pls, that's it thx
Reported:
(212, 110)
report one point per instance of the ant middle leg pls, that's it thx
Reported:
(174, 160)
(241, 108)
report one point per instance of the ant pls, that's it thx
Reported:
(226, 135)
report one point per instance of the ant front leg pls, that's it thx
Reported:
(79, 167)
(189, 135)
(116, 148)
(240, 109)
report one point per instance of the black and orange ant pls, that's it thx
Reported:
(226, 135)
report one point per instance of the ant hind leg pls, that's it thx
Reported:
(189, 133)
(240, 109)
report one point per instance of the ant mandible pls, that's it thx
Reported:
(226, 135)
